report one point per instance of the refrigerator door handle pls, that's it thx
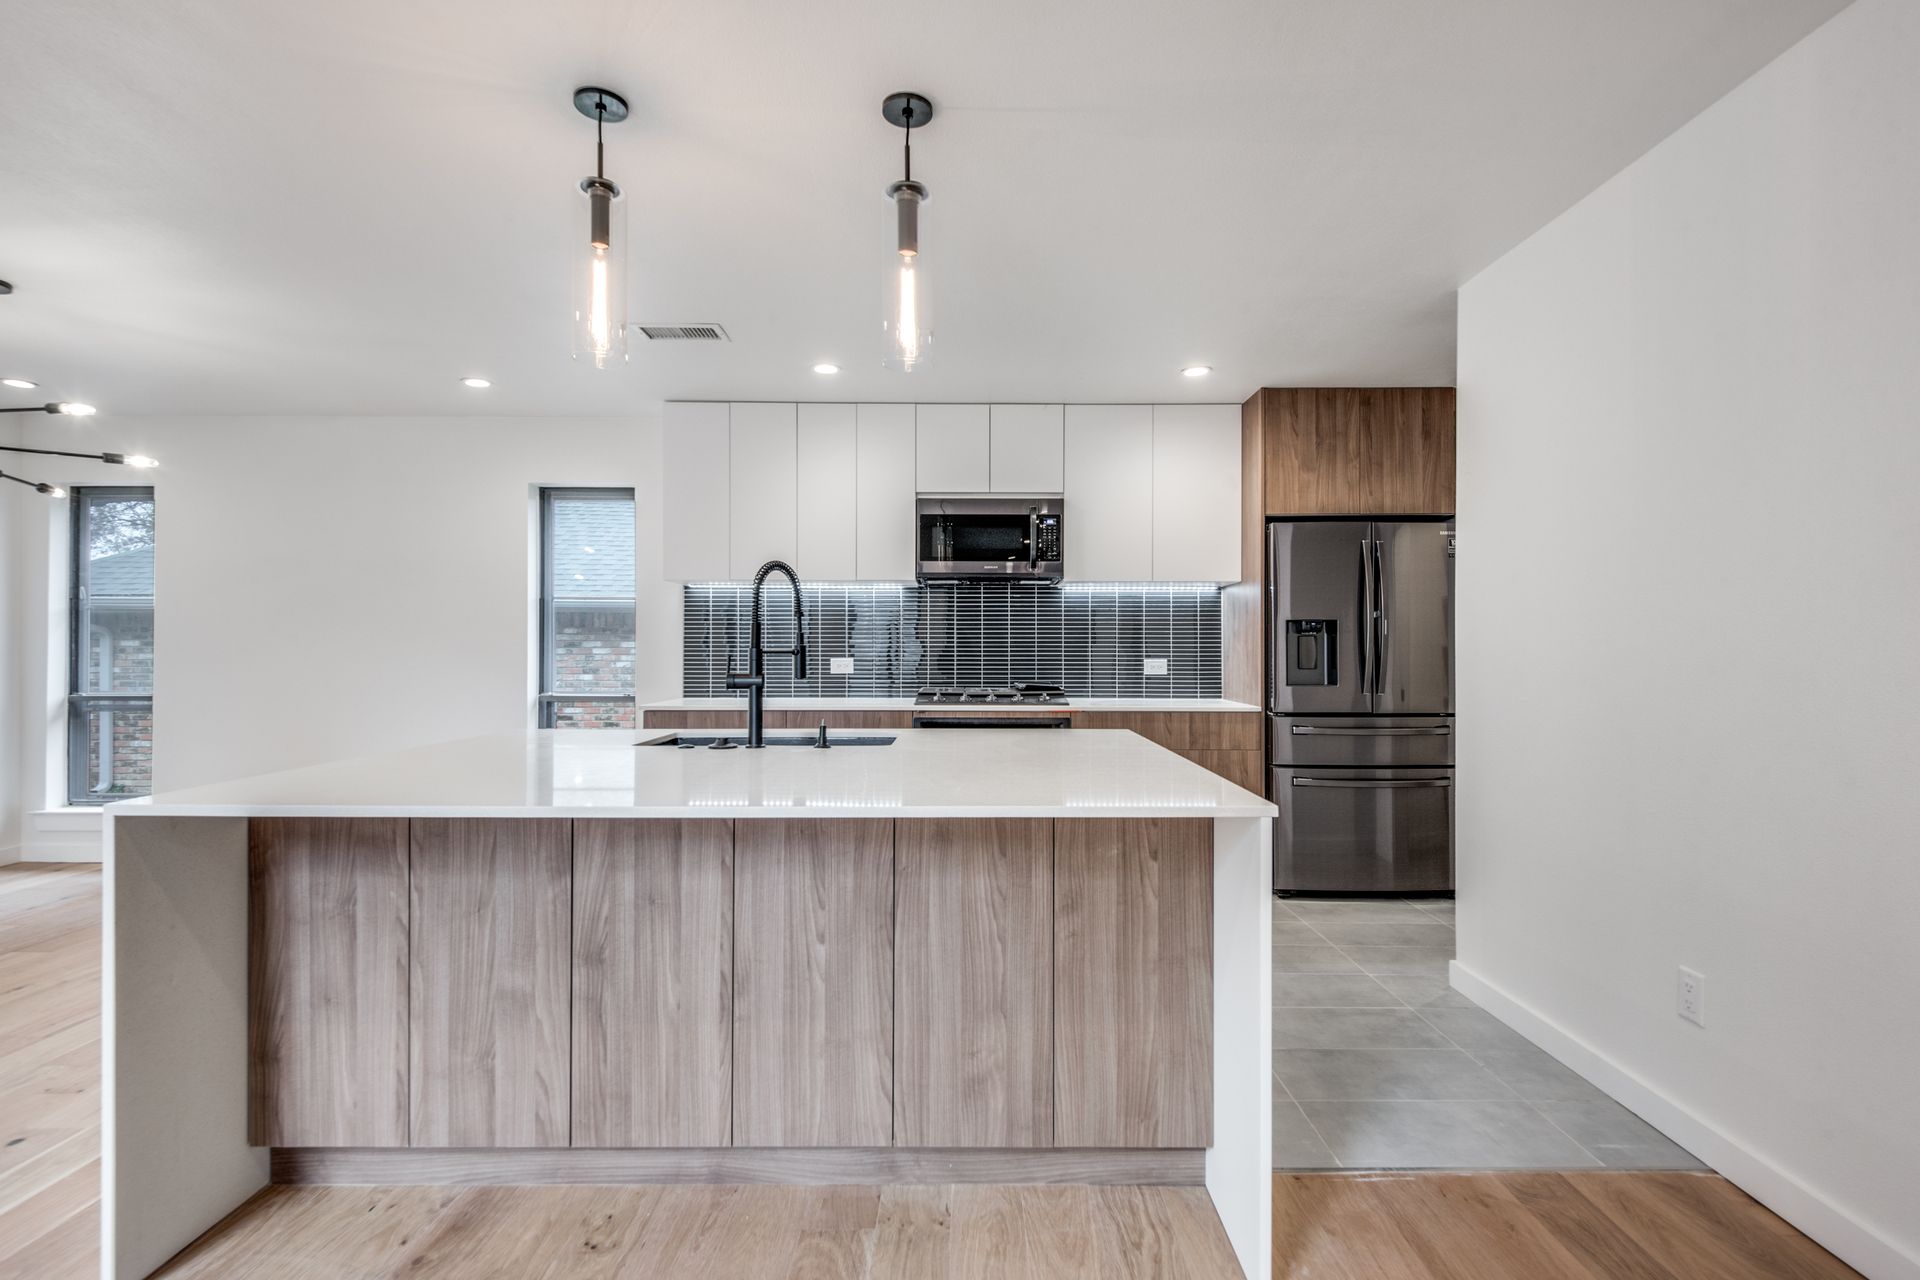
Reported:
(1367, 657)
(1373, 783)
(1329, 731)
(1380, 614)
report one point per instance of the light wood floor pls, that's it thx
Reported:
(716, 1233)
(1530, 1226)
(49, 1071)
(1533, 1226)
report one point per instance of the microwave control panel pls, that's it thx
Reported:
(1049, 548)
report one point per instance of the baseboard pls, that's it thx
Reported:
(90, 853)
(9, 855)
(1852, 1240)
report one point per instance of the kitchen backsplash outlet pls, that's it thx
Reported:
(1093, 639)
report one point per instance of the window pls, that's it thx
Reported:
(586, 609)
(110, 647)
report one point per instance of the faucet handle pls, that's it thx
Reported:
(744, 680)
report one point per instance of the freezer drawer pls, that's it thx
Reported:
(1363, 830)
(1361, 742)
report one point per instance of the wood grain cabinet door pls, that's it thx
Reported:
(813, 983)
(973, 1002)
(652, 983)
(490, 982)
(1133, 982)
(327, 982)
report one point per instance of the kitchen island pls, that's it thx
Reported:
(569, 956)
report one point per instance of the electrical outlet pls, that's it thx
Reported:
(1154, 667)
(1693, 996)
(840, 666)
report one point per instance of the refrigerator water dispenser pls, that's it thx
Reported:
(1311, 646)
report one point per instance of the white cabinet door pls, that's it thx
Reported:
(765, 489)
(1196, 493)
(951, 448)
(826, 499)
(1109, 492)
(1024, 449)
(884, 532)
(694, 508)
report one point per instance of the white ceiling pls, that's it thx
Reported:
(343, 206)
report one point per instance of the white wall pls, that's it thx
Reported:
(12, 496)
(1689, 634)
(333, 587)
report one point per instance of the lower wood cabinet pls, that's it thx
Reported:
(327, 982)
(653, 943)
(813, 983)
(973, 1002)
(987, 983)
(1133, 989)
(490, 975)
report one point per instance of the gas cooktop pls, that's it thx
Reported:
(1021, 695)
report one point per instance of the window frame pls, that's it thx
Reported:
(546, 699)
(80, 703)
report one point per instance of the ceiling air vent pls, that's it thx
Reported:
(683, 332)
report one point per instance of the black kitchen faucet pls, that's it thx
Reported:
(754, 679)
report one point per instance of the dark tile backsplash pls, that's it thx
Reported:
(1091, 638)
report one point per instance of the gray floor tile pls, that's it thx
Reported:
(1425, 993)
(1476, 1029)
(1535, 1075)
(1386, 910)
(1441, 907)
(1417, 962)
(1296, 932)
(1325, 958)
(1331, 991)
(1354, 1029)
(1619, 1138)
(1450, 1135)
(1379, 933)
(1364, 1074)
(1295, 1144)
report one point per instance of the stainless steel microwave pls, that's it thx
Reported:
(990, 539)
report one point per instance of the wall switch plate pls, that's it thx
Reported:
(1154, 667)
(1693, 996)
(840, 666)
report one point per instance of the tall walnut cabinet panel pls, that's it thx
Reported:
(813, 983)
(653, 983)
(974, 998)
(490, 977)
(327, 982)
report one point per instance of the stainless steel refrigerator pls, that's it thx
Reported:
(1360, 704)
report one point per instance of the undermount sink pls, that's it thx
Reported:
(728, 741)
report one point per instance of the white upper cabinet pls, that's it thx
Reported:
(827, 485)
(1109, 492)
(695, 507)
(1196, 493)
(765, 489)
(951, 448)
(1024, 448)
(883, 495)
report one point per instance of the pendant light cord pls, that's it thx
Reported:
(907, 115)
(600, 138)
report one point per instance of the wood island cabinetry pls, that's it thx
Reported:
(927, 983)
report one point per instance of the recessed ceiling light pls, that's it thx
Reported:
(826, 368)
(478, 384)
(1196, 371)
(18, 383)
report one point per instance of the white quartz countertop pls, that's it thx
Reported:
(931, 773)
(907, 704)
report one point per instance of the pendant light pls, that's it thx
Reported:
(908, 319)
(600, 255)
